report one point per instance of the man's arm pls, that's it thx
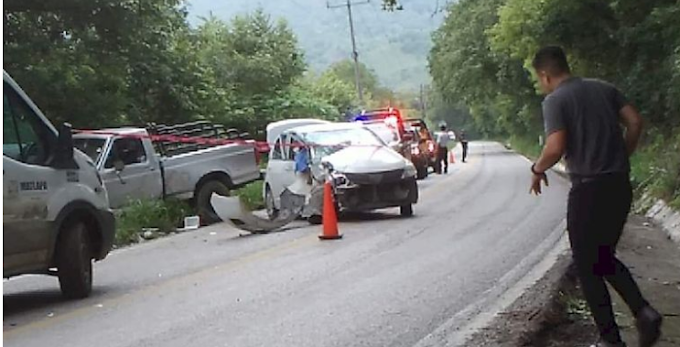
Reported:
(554, 148)
(631, 120)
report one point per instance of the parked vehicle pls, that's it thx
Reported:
(426, 141)
(365, 173)
(419, 153)
(390, 127)
(56, 216)
(135, 167)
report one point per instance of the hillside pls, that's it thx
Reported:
(394, 44)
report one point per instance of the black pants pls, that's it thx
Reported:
(598, 209)
(442, 155)
(465, 146)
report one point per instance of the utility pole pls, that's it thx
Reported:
(355, 54)
(423, 105)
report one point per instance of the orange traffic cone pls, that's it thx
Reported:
(452, 157)
(330, 217)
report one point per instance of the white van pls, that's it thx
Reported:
(366, 173)
(56, 216)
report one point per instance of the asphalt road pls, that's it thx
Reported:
(388, 282)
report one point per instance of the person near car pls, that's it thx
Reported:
(443, 139)
(583, 122)
(462, 137)
(302, 163)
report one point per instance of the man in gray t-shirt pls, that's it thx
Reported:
(583, 123)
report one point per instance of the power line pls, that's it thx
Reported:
(355, 54)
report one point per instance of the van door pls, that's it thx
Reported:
(280, 169)
(140, 177)
(28, 184)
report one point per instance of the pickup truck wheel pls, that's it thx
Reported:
(73, 258)
(272, 211)
(406, 210)
(205, 209)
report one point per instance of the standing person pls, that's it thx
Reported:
(302, 164)
(583, 119)
(464, 143)
(443, 139)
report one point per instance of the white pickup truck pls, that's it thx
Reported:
(133, 168)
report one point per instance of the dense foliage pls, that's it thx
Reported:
(110, 63)
(481, 55)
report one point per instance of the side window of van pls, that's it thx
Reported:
(277, 153)
(25, 137)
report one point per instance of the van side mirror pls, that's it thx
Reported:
(63, 154)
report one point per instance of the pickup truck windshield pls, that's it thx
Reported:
(386, 133)
(92, 147)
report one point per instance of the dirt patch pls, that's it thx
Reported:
(549, 314)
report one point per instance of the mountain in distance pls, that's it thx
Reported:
(393, 44)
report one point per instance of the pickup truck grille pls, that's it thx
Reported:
(376, 178)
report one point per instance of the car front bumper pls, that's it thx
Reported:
(366, 196)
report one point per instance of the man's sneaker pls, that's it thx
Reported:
(609, 344)
(648, 324)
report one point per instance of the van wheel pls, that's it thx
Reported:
(406, 210)
(73, 258)
(270, 205)
(203, 205)
(315, 219)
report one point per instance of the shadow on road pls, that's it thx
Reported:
(25, 302)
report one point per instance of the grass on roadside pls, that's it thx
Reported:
(251, 195)
(164, 216)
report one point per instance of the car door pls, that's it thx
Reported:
(140, 177)
(280, 169)
(28, 183)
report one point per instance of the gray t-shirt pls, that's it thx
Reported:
(588, 110)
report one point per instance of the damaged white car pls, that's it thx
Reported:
(365, 173)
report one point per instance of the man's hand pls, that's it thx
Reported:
(536, 183)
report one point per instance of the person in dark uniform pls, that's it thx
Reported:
(464, 143)
(583, 122)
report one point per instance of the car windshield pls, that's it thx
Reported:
(93, 147)
(330, 141)
(386, 133)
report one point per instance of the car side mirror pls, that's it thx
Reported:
(63, 154)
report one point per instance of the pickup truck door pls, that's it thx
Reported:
(140, 177)
(28, 183)
(281, 167)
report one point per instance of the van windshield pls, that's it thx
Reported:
(330, 141)
(92, 147)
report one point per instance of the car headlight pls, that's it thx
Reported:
(409, 171)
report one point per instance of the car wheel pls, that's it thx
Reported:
(315, 219)
(203, 205)
(406, 210)
(270, 205)
(73, 258)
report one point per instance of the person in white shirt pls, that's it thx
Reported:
(443, 139)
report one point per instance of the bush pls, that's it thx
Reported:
(251, 195)
(163, 215)
(526, 145)
(655, 169)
